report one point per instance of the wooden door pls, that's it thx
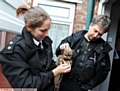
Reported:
(3, 81)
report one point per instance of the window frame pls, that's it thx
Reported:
(71, 6)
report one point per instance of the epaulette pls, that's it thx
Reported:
(10, 46)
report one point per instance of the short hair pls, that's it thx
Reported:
(34, 16)
(102, 20)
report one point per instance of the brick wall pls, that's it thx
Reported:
(80, 16)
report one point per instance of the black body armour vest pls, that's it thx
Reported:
(84, 63)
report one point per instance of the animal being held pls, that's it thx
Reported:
(66, 56)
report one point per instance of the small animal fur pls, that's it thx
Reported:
(66, 55)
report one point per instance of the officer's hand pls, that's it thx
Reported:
(65, 46)
(62, 68)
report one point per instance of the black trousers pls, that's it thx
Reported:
(70, 87)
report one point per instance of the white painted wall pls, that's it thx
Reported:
(9, 23)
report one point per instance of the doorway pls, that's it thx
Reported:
(114, 84)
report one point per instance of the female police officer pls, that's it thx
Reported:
(24, 63)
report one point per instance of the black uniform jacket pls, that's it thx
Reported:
(27, 66)
(102, 66)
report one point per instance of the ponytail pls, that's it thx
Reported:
(21, 10)
(34, 16)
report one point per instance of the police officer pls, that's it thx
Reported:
(91, 62)
(25, 63)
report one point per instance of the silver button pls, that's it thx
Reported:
(89, 49)
(9, 47)
(11, 43)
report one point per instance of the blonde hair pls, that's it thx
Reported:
(34, 16)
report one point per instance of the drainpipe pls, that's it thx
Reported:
(90, 13)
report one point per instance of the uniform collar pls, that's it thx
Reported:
(36, 42)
